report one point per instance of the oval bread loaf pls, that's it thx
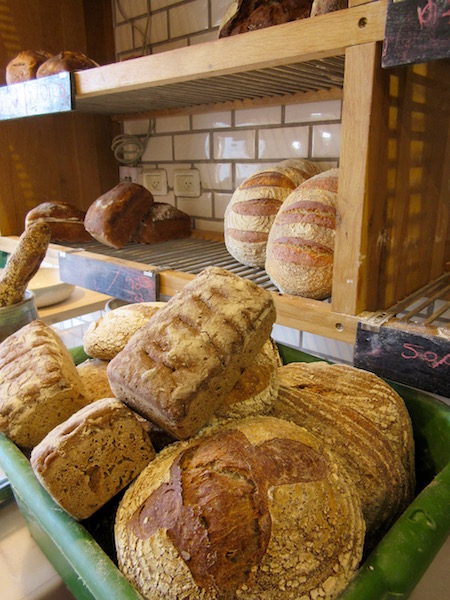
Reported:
(67, 60)
(365, 423)
(300, 245)
(234, 513)
(24, 66)
(254, 205)
(65, 220)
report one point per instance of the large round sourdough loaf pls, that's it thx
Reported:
(254, 205)
(366, 423)
(234, 513)
(300, 245)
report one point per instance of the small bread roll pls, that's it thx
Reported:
(25, 65)
(65, 61)
(108, 335)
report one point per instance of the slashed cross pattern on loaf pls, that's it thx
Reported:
(225, 475)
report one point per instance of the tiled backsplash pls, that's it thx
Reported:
(228, 146)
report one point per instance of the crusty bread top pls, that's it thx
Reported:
(108, 335)
(39, 384)
(93, 374)
(236, 509)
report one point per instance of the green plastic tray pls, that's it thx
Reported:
(392, 570)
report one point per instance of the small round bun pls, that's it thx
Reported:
(108, 335)
(25, 65)
(65, 61)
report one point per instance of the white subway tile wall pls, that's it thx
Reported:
(225, 146)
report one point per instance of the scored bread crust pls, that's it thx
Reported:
(300, 245)
(178, 368)
(233, 513)
(253, 206)
(108, 335)
(366, 423)
(65, 220)
(90, 457)
(39, 384)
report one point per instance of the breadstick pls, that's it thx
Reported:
(23, 263)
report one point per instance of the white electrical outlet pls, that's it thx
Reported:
(155, 181)
(130, 174)
(186, 182)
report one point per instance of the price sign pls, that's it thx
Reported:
(43, 96)
(126, 283)
(419, 360)
(416, 31)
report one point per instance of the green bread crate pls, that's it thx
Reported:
(84, 558)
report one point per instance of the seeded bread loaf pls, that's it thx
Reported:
(114, 216)
(300, 245)
(65, 220)
(365, 422)
(24, 66)
(67, 60)
(108, 335)
(39, 384)
(88, 459)
(234, 513)
(254, 205)
(179, 367)
(163, 222)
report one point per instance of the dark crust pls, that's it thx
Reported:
(65, 61)
(215, 505)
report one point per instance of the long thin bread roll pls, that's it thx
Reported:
(23, 263)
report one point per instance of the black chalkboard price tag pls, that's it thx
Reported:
(123, 282)
(419, 360)
(53, 94)
(417, 31)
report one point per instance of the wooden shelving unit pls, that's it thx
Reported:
(392, 233)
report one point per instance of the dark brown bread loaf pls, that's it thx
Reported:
(39, 384)
(88, 459)
(24, 263)
(300, 246)
(366, 423)
(254, 205)
(247, 15)
(322, 7)
(114, 216)
(163, 222)
(65, 61)
(65, 220)
(254, 509)
(179, 367)
(24, 66)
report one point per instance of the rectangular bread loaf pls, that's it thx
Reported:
(179, 367)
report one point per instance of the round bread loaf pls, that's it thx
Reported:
(24, 66)
(108, 335)
(234, 513)
(163, 222)
(113, 218)
(366, 423)
(248, 15)
(39, 384)
(322, 7)
(256, 390)
(254, 205)
(65, 220)
(300, 245)
(65, 61)
(92, 373)
(92, 456)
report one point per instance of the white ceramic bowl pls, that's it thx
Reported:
(48, 288)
